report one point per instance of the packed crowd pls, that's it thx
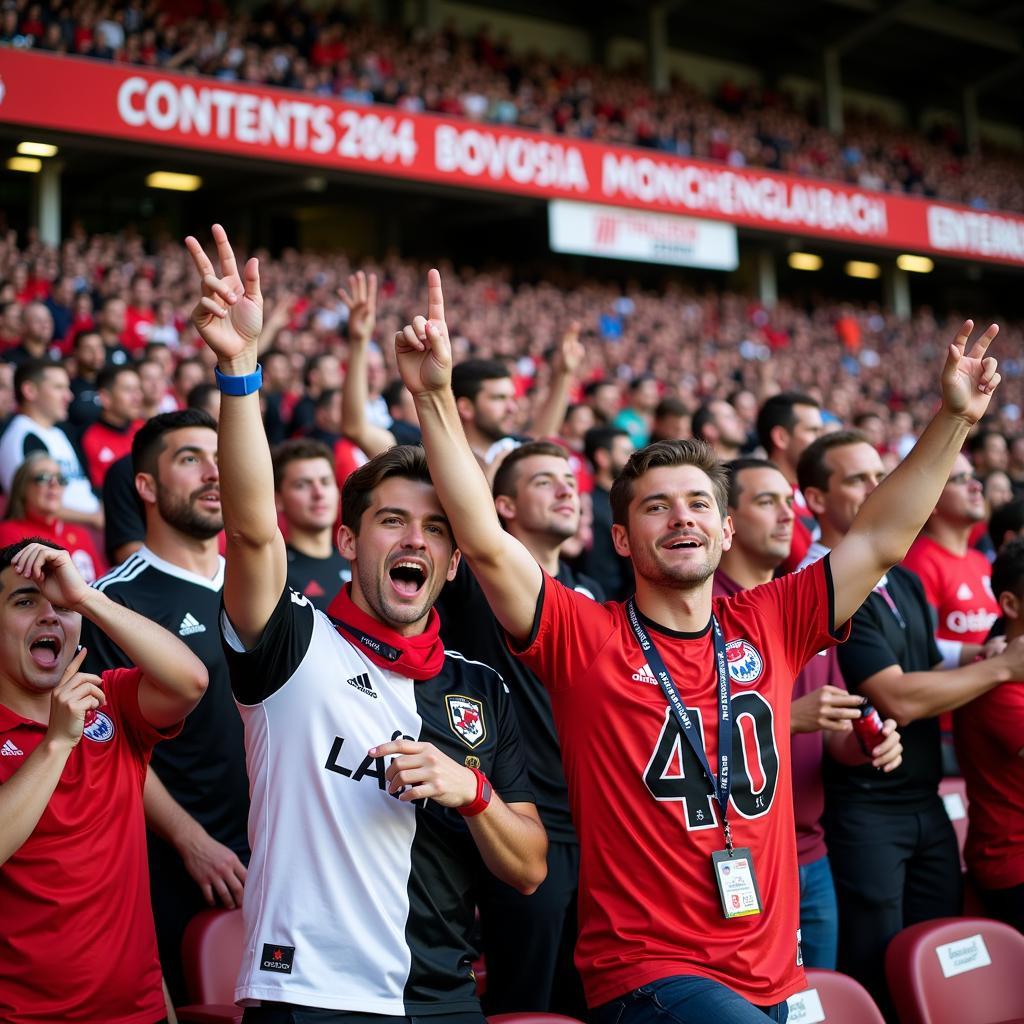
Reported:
(121, 441)
(698, 346)
(332, 53)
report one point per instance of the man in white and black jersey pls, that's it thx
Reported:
(372, 752)
(308, 500)
(196, 795)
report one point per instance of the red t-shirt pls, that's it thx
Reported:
(959, 588)
(104, 444)
(138, 328)
(76, 539)
(646, 821)
(989, 737)
(78, 942)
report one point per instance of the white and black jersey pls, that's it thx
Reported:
(356, 900)
(203, 767)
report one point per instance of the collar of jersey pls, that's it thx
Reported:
(215, 584)
(674, 633)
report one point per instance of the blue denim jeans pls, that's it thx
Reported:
(686, 999)
(819, 917)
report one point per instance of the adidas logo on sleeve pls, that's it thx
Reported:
(190, 625)
(10, 750)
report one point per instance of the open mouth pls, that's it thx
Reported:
(408, 578)
(684, 543)
(45, 650)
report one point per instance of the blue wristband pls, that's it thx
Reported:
(237, 386)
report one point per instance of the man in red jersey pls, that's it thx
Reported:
(78, 943)
(956, 579)
(688, 898)
(761, 510)
(990, 742)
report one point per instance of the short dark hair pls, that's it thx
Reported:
(600, 439)
(33, 371)
(8, 553)
(505, 481)
(107, 377)
(1008, 518)
(196, 398)
(88, 332)
(392, 392)
(325, 398)
(737, 466)
(671, 406)
(190, 361)
(407, 461)
(687, 452)
(811, 470)
(294, 450)
(777, 411)
(313, 363)
(468, 377)
(592, 387)
(702, 417)
(149, 441)
(976, 443)
(640, 379)
(1008, 570)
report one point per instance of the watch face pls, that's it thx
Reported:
(485, 793)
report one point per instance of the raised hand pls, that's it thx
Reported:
(229, 315)
(969, 379)
(361, 299)
(423, 349)
(71, 700)
(570, 353)
(54, 573)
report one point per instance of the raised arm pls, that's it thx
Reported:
(550, 414)
(361, 299)
(173, 678)
(229, 318)
(510, 577)
(894, 513)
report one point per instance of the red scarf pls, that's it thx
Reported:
(418, 657)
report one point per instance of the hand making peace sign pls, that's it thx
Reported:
(968, 381)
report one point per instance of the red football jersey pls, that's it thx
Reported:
(78, 942)
(959, 588)
(103, 445)
(989, 738)
(643, 809)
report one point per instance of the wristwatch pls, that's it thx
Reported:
(483, 796)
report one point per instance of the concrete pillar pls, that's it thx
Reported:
(969, 119)
(47, 202)
(896, 283)
(832, 90)
(657, 50)
(767, 279)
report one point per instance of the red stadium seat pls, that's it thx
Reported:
(531, 1018)
(211, 953)
(833, 998)
(957, 970)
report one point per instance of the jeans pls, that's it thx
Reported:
(819, 917)
(686, 999)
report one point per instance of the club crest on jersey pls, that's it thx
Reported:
(745, 663)
(466, 717)
(98, 727)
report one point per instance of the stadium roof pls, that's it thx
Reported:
(925, 52)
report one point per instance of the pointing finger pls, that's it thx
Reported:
(73, 665)
(435, 297)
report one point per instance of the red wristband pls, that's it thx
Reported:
(482, 798)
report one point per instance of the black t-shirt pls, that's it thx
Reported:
(602, 562)
(468, 626)
(203, 767)
(878, 640)
(125, 520)
(319, 579)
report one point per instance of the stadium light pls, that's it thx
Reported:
(30, 164)
(36, 149)
(915, 264)
(174, 182)
(860, 268)
(804, 261)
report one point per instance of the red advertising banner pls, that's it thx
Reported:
(204, 114)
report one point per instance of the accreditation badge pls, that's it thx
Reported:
(736, 881)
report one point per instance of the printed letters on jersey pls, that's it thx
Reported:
(466, 717)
